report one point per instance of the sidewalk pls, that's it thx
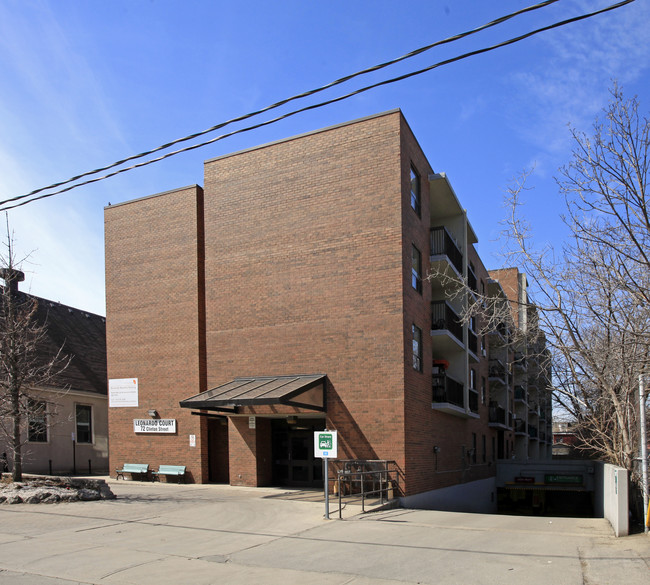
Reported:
(205, 534)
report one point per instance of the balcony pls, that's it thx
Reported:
(449, 396)
(472, 282)
(532, 432)
(497, 417)
(473, 400)
(442, 244)
(520, 426)
(520, 361)
(497, 372)
(446, 329)
(448, 390)
(520, 394)
(472, 344)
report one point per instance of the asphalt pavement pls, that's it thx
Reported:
(206, 534)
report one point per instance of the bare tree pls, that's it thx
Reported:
(24, 367)
(592, 295)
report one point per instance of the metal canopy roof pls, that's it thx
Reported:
(305, 391)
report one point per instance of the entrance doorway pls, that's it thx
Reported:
(294, 464)
(218, 457)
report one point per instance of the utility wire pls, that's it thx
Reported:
(287, 100)
(294, 112)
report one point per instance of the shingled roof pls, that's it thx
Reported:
(82, 337)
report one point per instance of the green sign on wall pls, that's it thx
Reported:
(563, 479)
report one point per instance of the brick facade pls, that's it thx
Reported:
(297, 260)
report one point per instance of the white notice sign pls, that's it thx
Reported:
(154, 425)
(123, 392)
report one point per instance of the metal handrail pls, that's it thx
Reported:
(386, 479)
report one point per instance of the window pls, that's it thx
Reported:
(484, 450)
(494, 449)
(36, 421)
(472, 379)
(83, 417)
(415, 191)
(417, 348)
(483, 390)
(473, 447)
(416, 269)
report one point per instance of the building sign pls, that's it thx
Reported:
(123, 392)
(563, 479)
(524, 479)
(325, 444)
(154, 425)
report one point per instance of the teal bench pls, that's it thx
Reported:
(139, 469)
(177, 470)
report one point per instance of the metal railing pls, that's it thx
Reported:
(497, 415)
(378, 479)
(473, 400)
(443, 244)
(448, 390)
(444, 317)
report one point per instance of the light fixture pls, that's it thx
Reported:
(292, 420)
(153, 413)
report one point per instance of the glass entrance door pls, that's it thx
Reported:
(294, 464)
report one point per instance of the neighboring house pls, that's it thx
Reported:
(290, 295)
(68, 430)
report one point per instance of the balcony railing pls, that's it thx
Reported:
(497, 415)
(520, 360)
(448, 390)
(520, 393)
(473, 400)
(472, 342)
(497, 370)
(443, 244)
(444, 318)
(471, 281)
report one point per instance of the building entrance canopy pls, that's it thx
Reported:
(304, 391)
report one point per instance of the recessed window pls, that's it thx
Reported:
(483, 390)
(416, 269)
(417, 348)
(83, 417)
(37, 421)
(415, 191)
(472, 379)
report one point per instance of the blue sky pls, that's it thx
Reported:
(85, 83)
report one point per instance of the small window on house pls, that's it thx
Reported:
(83, 417)
(484, 449)
(37, 421)
(483, 390)
(417, 348)
(494, 449)
(472, 379)
(416, 269)
(415, 191)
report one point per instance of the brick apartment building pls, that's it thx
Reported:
(289, 295)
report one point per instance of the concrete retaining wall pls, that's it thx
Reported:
(476, 496)
(615, 505)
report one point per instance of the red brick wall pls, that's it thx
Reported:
(304, 274)
(154, 323)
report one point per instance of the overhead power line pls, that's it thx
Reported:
(287, 100)
(310, 107)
